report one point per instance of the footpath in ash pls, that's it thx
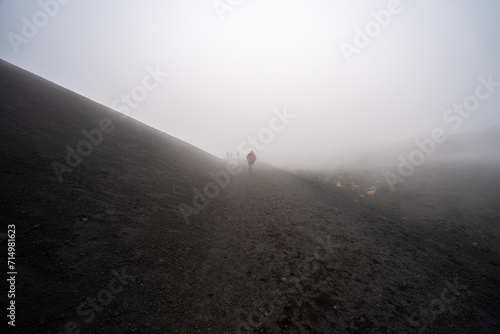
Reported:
(290, 255)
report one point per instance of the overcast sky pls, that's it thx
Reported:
(232, 64)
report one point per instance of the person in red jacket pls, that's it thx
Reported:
(251, 158)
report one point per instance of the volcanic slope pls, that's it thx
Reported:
(106, 249)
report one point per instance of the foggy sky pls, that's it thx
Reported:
(230, 70)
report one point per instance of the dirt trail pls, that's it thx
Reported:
(273, 253)
(290, 256)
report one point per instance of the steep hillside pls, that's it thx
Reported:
(81, 201)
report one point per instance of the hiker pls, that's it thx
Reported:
(251, 157)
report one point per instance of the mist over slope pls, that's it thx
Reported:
(479, 146)
(80, 182)
(35, 108)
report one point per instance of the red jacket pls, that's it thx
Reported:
(251, 157)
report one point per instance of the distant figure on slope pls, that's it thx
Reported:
(251, 158)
